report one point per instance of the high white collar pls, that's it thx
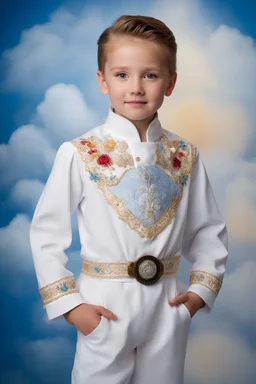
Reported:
(121, 127)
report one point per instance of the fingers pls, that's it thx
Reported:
(106, 313)
(181, 298)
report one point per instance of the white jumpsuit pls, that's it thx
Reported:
(132, 198)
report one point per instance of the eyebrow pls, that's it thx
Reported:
(122, 68)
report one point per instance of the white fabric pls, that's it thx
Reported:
(149, 331)
(146, 345)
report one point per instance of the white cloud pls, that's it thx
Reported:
(27, 155)
(219, 357)
(25, 194)
(237, 295)
(65, 113)
(15, 246)
(61, 50)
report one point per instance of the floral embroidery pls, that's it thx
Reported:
(179, 169)
(176, 163)
(183, 144)
(94, 177)
(98, 163)
(110, 145)
(58, 289)
(183, 179)
(89, 144)
(122, 146)
(206, 279)
(144, 197)
(104, 160)
(93, 150)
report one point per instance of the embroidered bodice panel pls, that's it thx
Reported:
(145, 197)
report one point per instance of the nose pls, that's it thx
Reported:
(136, 86)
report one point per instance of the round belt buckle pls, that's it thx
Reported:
(146, 270)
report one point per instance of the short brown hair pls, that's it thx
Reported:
(144, 27)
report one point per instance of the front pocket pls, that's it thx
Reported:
(91, 292)
(185, 309)
(95, 329)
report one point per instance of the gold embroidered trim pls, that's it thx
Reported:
(119, 269)
(170, 153)
(58, 289)
(92, 148)
(206, 279)
(176, 158)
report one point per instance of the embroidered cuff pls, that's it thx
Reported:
(206, 279)
(58, 289)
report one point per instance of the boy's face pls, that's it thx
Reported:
(136, 69)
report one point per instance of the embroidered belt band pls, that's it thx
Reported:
(146, 269)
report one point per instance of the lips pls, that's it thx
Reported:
(136, 102)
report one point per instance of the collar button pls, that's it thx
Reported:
(137, 158)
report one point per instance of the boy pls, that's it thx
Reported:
(144, 200)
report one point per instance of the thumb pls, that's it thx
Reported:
(106, 313)
(178, 299)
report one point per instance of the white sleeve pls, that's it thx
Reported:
(51, 233)
(205, 242)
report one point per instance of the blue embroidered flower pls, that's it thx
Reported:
(64, 287)
(98, 270)
(94, 177)
(112, 177)
(183, 145)
(183, 179)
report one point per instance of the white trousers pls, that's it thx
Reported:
(148, 342)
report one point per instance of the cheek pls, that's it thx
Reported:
(157, 91)
(116, 89)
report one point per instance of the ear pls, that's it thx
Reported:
(171, 84)
(102, 82)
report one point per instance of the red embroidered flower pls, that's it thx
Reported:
(104, 160)
(83, 142)
(181, 154)
(93, 150)
(176, 163)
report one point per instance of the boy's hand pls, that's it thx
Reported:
(86, 317)
(191, 300)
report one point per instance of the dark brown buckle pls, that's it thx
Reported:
(146, 270)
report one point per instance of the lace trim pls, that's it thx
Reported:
(176, 157)
(105, 160)
(206, 279)
(101, 158)
(58, 289)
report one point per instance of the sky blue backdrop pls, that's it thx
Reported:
(18, 311)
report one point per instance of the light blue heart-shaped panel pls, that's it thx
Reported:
(147, 191)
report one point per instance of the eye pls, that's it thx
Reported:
(151, 76)
(121, 75)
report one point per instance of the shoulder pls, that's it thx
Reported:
(180, 143)
(96, 132)
(174, 137)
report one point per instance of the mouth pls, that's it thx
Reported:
(136, 102)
